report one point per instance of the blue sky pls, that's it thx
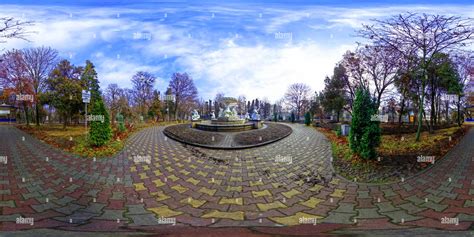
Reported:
(250, 48)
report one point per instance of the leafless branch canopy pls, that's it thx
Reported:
(422, 35)
(11, 28)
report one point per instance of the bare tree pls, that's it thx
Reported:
(113, 94)
(14, 77)
(465, 68)
(11, 28)
(143, 83)
(39, 63)
(184, 90)
(241, 104)
(422, 35)
(295, 97)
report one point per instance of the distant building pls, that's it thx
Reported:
(7, 113)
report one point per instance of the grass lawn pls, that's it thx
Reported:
(398, 154)
(73, 138)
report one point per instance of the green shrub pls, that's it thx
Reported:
(364, 135)
(307, 118)
(100, 132)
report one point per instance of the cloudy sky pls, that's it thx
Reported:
(236, 47)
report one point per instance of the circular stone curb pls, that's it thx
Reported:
(172, 136)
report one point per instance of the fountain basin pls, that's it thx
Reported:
(227, 126)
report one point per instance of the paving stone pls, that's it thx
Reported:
(193, 202)
(7, 203)
(27, 196)
(296, 219)
(269, 206)
(448, 195)
(144, 220)
(435, 206)
(368, 213)
(261, 193)
(312, 202)
(6, 218)
(94, 208)
(69, 209)
(389, 193)
(64, 200)
(407, 187)
(80, 217)
(345, 208)
(433, 198)
(386, 207)
(231, 201)
(339, 193)
(291, 193)
(238, 215)
(164, 211)
(111, 215)
(465, 217)
(117, 196)
(411, 208)
(340, 218)
(397, 216)
(44, 206)
(416, 200)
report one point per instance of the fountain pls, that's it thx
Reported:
(228, 119)
(228, 130)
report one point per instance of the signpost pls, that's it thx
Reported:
(86, 98)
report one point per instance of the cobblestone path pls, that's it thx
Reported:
(157, 181)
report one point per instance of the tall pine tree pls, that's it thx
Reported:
(364, 135)
(100, 131)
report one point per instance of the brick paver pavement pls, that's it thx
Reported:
(157, 181)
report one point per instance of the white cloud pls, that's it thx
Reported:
(260, 71)
(219, 61)
(121, 71)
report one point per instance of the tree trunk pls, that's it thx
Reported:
(37, 115)
(420, 112)
(433, 109)
(401, 112)
(459, 110)
(26, 116)
(65, 121)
